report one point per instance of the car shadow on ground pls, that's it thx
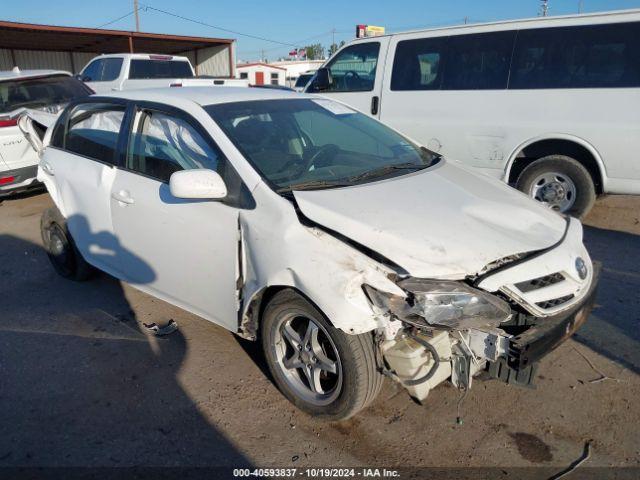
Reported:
(81, 384)
(613, 329)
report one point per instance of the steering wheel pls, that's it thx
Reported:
(351, 76)
(305, 165)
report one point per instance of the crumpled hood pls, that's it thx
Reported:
(442, 222)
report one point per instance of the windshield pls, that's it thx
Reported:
(303, 79)
(316, 143)
(38, 92)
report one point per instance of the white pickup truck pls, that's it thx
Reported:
(128, 71)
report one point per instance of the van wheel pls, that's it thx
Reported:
(320, 369)
(61, 250)
(560, 182)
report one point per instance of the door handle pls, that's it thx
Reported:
(47, 168)
(123, 197)
(375, 101)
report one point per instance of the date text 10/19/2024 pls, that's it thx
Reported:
(316, 472)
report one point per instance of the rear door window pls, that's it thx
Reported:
(93, 130)
(418, 64)
(102, 70)
(145, 69)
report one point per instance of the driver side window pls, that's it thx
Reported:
(162, 144)
(354, 68)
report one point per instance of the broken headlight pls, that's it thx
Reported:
(444, 303)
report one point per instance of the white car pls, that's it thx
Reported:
(349, 251)
(38, 91)
(303, 80)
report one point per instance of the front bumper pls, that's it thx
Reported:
(23, 179)
(548, 333)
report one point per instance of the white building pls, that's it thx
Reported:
(259, 73)
(295, 67)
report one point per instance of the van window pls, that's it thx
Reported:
(141, 69)
(102, 70)
(163, 144)
(354, 68)
(93, 130)
(478, 62)
(418, 64)
(596, 56)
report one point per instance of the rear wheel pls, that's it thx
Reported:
(320, 369)
(61, 250)
(560, 182)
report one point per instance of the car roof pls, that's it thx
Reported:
(206, 95)
(19, 74)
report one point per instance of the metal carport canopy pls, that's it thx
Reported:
(27, 36)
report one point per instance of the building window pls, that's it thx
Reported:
(275, 78)
(244, 75)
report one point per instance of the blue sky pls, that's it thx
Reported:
(299, 22)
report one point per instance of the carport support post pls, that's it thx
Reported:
(130, 43)
(196, 66)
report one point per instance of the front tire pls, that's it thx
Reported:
(320, 369)
(560, 182)
(61, 249)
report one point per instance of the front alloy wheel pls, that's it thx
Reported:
(319, 368)
(308, 359)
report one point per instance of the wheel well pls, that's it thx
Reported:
(250, 324)
(543, 148)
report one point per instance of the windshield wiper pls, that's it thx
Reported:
(379, 172)
(312, 185)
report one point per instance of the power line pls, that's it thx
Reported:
(117, 19)
(235, 32)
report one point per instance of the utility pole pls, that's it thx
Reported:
(580, 6)
(135, 9)
(466, 20)
(544, 9)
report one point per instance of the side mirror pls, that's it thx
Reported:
(197, 183)
(323, 79)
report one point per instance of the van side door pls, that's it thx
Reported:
(357, 74)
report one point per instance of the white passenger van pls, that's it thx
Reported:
(550, 106)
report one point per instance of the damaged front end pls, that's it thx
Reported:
(450, 330)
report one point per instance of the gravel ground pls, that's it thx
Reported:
(82, 384)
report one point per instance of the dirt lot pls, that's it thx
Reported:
(81, 384)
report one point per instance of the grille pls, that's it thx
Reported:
(540, 282)
(555, 302)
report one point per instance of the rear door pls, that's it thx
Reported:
(80, 163)
(182, 251)
(103, 75)
(357, 72)
(156, 71)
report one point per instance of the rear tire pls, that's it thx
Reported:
(561, 182)
(356, 381)
(61, 249)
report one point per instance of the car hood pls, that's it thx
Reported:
(441, 222)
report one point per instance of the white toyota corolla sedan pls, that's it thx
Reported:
(348, 250)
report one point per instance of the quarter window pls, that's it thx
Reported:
(354, 68)
(93, 130)
(598, 56)
(163, 144)
(418, 64)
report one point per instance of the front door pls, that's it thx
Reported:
(259, 78)
(183, 251)
(357, 73)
